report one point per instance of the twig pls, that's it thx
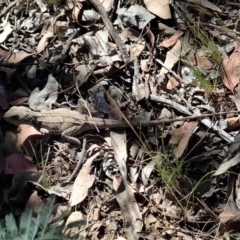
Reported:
(111, 30)
(227, 137)
(8, 8)
(172, 72)
(80, 161)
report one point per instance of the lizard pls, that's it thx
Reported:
(71, 123)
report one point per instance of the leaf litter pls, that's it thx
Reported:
(170, 59)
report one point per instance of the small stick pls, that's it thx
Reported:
(111, 30)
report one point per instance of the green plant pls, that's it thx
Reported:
(33, 224)
(205, 42)
(208, 85)
(169, 172)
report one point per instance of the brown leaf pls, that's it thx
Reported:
(34, 200)
(83, 182)
(172, 40)
(172, 83)
(16, 163)
(15, 57)
(231, 70)
(182, 135)
(225, 216)
(203, 62)
(233, 123)
(25, 132)
(25, 136)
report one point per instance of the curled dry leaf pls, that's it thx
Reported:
(147, 32)
(75, 13)
(43, 100)
(84, 18)
(26, 136)
(136, 15)
(26, 132)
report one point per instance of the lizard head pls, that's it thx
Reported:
(19, 115)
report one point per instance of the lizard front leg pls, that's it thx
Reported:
(70, 133)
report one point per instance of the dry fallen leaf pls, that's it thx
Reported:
(25, 131)
(203, 62)
(83, 182)
(14, 57)
(171, 58)
(125, 197)
(233, 123)
(34, 200)
(182, 135)
(5, 28)
(172, 40)
(172, 83)
(136, 50)
(43, 42)
(225, 216)
(16, 163)
(159, 7)
(207, 4)
(231, 69)
(136, 15)
(42, 100)
(227, 164)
